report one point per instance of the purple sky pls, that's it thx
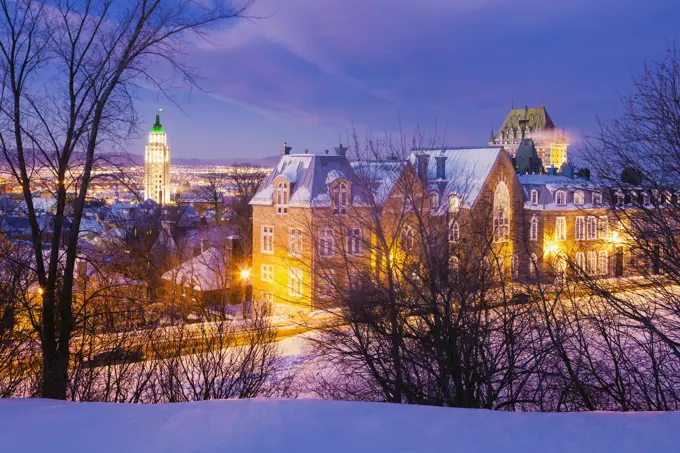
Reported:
(311, 68)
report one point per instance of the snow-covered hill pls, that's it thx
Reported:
(312, 426)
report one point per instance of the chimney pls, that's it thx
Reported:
(285, 149)
(422, 162)
(341, 150)
(441, 166)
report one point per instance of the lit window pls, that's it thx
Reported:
(454, 232)
(294, 282)
(267, 244)
(603, 227)
(591, 267)
(340, 199)
(326, 243)
(580, 261)
(295, 241)
(533, 229)
(580, 229)
(560, 229)
(592, 227)
(514, 266)
(407, 238)
(602, 263)
(578, 198)
(501, 208)
(597, 198)
(267, 272)
(454, 203)
(266, 296)
(534, 197)
(561, 198)
(455, 263)
(434, 200)
(354, 241)
(282, 198)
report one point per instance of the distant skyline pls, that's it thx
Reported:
(308, 71)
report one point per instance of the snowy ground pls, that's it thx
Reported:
(302, 426)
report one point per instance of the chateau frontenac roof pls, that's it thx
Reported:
(537, 119)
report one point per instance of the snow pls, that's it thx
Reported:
(466, 169)
(300, 426)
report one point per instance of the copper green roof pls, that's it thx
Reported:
(537, 118)
(157, 127)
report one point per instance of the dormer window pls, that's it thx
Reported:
(561, 198)
(282, 195)
(645, 199)
(620, 199)
(578, 198)
(434, 200)
(597, 198)
(340, 199)
(534, 197)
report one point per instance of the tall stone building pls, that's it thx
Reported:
(533, 123)
(157, 165)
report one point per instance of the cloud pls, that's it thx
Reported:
(369, 61)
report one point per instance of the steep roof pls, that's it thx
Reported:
(537, 119)
(309, 176)
(381, 176)
(466, 169)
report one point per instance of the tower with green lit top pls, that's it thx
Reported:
(157, 165)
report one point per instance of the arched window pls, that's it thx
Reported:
(533, 229)
(534, 197)
(434, 200)
(407, 238)
(533, 265)
(340, 199)
(282, 195)
(561, 198)
(501, 213)
(454, 203)
(578, 198)
(454, 232)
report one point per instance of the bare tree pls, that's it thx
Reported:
(69, 71)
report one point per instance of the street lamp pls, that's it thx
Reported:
(245, 276)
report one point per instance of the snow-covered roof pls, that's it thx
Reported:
(309, 176)
(205, 272)
(466, 169)
(381, 176)
(548, 185)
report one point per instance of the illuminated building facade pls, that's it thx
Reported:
(157, 165)
(536, 124)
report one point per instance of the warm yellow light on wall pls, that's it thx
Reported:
(552, 248)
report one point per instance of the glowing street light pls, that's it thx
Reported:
(40, 291)
(245, 274)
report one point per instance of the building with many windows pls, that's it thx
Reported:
(157, 165)
(312, 213)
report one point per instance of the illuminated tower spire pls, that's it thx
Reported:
(157, 165)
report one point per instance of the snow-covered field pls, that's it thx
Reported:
(302, 426)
